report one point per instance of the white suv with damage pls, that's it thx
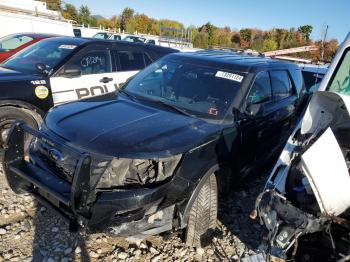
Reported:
(305, 206)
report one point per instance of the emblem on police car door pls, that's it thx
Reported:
(41, 92)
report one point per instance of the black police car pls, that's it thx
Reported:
(148, 158)
(63, 69)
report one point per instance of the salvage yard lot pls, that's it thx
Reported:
(31, 232)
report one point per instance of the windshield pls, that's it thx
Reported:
(46, 52)
(340, 82)
(204, 92)
(12, 42)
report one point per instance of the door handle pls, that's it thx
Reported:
(106, 80)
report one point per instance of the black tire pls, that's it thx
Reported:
(11, 114)
(203, 214)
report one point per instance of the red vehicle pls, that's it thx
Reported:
(11, 44)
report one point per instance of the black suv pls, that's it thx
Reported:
(148, 158)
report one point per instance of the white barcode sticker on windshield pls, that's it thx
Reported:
(230, 76)
(67, 46)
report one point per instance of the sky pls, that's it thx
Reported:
(237, 14)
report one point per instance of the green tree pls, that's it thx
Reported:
(305, 31)
(126, 16)
(201, 40)
(84, 14)
(269, 44)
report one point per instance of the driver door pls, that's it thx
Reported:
(88, 73)
(255, 135)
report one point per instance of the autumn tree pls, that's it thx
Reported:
(70, 12)
(141, 22)
(246, 37)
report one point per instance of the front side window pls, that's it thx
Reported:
(261, 89)
(281, 84)
(46, 52)
(92, 61)
(130, 60)
(340, 82)
(12, 42)
(204, 92)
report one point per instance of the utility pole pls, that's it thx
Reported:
(323, 42)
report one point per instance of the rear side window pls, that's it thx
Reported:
(281, 84)
(130, 60)
(261, 89)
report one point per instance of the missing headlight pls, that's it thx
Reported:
(124, 172)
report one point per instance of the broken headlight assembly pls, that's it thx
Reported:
(138, 172)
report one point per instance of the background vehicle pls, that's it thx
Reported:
(111, 36)
(313, 75)
(190, 116)
(62, 69)
(11, 44)
(305, 205)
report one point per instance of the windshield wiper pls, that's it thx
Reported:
(174, 108)
(134, 98)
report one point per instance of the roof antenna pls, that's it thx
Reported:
(323, 42)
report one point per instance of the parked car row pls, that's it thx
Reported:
(147, 152)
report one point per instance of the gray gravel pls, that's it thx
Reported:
(30, 232)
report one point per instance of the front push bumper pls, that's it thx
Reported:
(76, 201)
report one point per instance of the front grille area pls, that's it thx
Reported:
(66, 166)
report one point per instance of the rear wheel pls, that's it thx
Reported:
(203, 214)
(9, 115)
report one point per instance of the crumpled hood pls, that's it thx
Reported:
(123, 128)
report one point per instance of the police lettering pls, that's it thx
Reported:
(91, 91)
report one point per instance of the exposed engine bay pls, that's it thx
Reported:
(305, 207)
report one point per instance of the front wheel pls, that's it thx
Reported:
(203, 213)
(9, 115)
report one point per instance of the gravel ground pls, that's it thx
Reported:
(30, 232)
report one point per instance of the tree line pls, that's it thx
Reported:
(207, 35)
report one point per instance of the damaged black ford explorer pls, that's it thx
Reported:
(148, 158)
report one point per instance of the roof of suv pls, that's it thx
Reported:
(227, 59)
(85, 40)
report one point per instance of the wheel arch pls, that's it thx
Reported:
(34, 111)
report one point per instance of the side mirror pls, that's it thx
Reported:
(41, 68)
(254, 110)
(71, 71)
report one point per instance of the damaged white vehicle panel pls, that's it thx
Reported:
(308, 193)
(305, 206)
